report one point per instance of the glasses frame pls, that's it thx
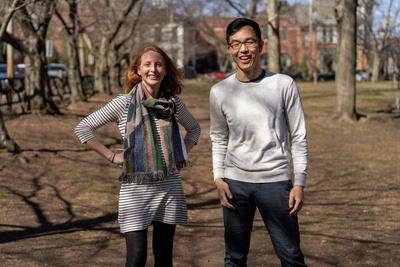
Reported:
(256, 41)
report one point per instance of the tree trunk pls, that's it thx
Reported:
(274, 64)
(223, 61)
(376, 65)
(101, 68)
(33, 23)
(345, 108)
(114, 71)
(38, 95)
(72, 27)
(74, 73)
(5, 140)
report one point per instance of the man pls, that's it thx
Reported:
(251, 114)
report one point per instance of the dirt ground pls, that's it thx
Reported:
(58, 199)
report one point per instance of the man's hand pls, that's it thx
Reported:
(296, 199)
(224, 193)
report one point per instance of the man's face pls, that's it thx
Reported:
(245, 49)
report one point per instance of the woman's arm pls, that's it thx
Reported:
(112, 112)
(192, 127)
(189, 144)
(100, 148)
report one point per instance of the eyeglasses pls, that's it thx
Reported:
(249, 43)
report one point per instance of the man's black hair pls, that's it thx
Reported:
(238, 23)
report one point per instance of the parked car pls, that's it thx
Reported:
(390, 76)
(3, 73)
(86, 72)
(327, 76)
(18, 73)
(361, 76)
(20, 68)
(55, 68)
(190, 72)
(296, 75)
(215, 75)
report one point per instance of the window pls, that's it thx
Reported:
(284, 34)
(285, 61)
(306, 40)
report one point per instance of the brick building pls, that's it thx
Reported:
(296, 47)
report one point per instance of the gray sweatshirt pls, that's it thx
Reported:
(249, 127)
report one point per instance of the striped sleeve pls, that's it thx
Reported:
(186, 119)
(114, 111)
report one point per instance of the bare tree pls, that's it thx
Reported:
(7, 17)
(385, 14)
(212, 20)
(103, 39)
(72, 29)
(345, 12)
(122, 48)
(274, 64)
(250, 13)
(33, 18)
(5, 140)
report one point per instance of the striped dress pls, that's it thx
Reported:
(141, 204)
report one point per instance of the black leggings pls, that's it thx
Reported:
(163, 239)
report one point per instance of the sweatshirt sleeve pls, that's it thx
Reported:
(219, 134)
(186, 119)
(297, 130)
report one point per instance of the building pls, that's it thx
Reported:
(303, 42)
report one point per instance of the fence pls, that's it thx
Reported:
(59, 87)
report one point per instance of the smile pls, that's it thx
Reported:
(245, 59)
(153, 76)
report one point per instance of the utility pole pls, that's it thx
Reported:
(10, 51)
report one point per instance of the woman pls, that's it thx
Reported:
(154, 152)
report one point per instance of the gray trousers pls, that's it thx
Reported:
(272, 200)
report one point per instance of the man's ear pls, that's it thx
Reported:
(261, 45)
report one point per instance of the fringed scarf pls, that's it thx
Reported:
(153, 144)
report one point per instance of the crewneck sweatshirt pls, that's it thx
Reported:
(250, 125)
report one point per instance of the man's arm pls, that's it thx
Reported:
(219, 133)
(299, 147)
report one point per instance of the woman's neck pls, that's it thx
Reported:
(154, 92)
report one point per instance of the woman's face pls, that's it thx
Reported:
(152, 70)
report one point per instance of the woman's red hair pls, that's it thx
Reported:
(172, 81)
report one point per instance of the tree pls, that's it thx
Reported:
(5, 140)
(33, 18)
(122, 48)
(345, 13)
(104, 38)
(72, 27)
(212, 17)
(251, 13)
(274, 64)
(381, 20)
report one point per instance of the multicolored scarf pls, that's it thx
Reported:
(153, 144)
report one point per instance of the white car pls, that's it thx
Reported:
(361, 76)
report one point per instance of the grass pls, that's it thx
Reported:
(372, 99)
